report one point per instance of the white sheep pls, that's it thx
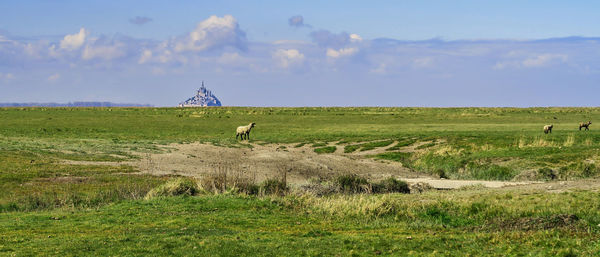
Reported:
(244, 130)
(548, 129)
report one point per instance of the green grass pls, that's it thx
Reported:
(50, 206)
(351, 148)
(327, 149)
(367, 146)
(373, 145)
(492, 223)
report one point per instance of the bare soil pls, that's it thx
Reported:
(267, 161)
(301, 164)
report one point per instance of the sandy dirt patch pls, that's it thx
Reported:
(299, 164)
(267, 161)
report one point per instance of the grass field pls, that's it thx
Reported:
(49, 206)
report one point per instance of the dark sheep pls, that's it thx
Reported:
(585, 125)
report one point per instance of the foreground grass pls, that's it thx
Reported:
(475, 223)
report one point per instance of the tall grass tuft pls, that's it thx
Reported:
(174, 187)
(570, 141)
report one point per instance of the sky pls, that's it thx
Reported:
(302, 53)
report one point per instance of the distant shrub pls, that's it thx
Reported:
(419, 187)
(579, 169)
(491, 172)
(247, 187)
(353, 184)
(546, 174)
(391, 185)
(174, 187)
(440, 173)
(274, 187)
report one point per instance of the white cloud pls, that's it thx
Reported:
(381, 69)
(533, 61)
(103, 51)
(53, 77)
(423, 62)
(342, 52)
(74, 41)
(4, 39)
(355, 38)
(229, 58)
(544, 60)
(288, 58)
(146, 56)
(214, 32)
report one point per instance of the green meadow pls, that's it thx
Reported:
(55, 199)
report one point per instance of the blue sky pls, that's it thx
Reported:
(303, 53)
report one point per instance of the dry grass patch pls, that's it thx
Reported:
(174, 187)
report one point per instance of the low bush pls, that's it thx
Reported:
(274, 187)
(391, 185)
(353, 184)
(578, 170)
(546, 174)
(440, 173)
(491, 172)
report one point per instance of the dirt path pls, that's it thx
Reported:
(454, 184)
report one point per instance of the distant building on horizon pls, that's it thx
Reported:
(203, 98)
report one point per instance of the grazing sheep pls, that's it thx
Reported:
(244, 130)
(585, 125)
(548, 129)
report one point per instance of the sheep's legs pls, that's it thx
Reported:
(247, 136)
